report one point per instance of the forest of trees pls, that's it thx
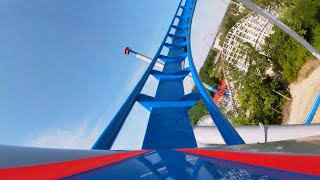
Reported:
(258, 99)
(287, 55)
(229, 20)
(256, 91)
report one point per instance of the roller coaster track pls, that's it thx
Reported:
(169, 124)
(169, 128)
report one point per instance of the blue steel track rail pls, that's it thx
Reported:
(229, 134)
(313, 110)
(169, 124)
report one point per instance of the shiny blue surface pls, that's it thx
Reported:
(313, 110)
(171, 164)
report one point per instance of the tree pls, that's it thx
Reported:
(286, 53)
(229, 20)
(255, 91)
(197, 111)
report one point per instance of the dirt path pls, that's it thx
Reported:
(303, 93)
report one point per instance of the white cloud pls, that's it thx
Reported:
(62, 138)
(82, 136)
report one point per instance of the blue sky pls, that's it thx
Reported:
(63, 74)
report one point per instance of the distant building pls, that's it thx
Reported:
(216, 44)
(251, 29)
(239, 8)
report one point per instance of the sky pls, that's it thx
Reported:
(63, 75)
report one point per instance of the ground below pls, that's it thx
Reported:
(303, 93)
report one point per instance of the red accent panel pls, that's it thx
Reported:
(126, 50)
(293, 163)
(66, 168)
